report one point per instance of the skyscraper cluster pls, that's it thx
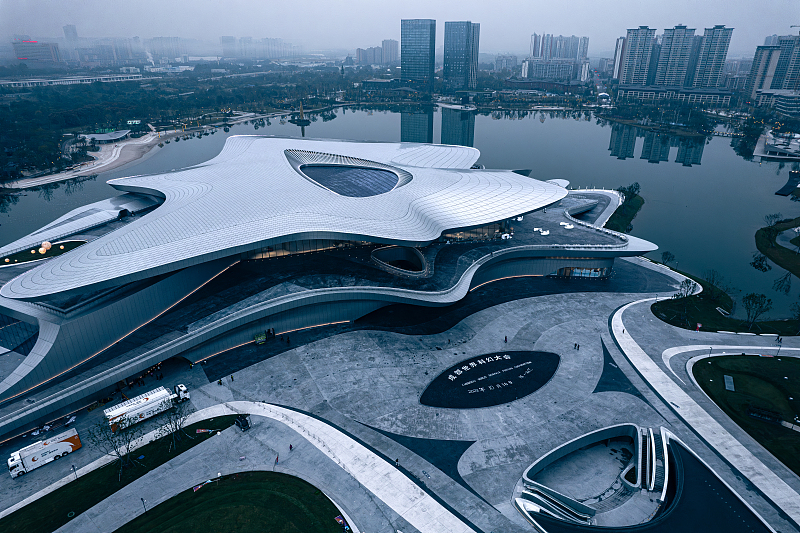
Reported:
(386, 54)
(546, 47)
(557, 57)
(418, 47)
(775, 66)
(677, 58)
(267, 48)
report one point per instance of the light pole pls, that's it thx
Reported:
(144, 505)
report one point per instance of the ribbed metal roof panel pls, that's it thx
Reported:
(250, 196)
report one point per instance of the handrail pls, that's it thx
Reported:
(445, 296)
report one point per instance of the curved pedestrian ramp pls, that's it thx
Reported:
(613, 477)
(683, 492)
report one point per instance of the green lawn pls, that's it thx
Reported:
(257, 502)
(702, 308)
(622, 217)
(53, 511)
(759, 382)
(783, 257)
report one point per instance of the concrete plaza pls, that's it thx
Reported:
(348, 402)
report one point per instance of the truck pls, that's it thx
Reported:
(144, 406)
(42, 452)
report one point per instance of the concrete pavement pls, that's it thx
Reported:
(706, 426)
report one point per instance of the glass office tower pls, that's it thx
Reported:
(416, 126)
(417, 49)
(458, 127)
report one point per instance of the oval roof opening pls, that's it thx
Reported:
(355, 182)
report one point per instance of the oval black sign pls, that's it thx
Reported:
(491, 379)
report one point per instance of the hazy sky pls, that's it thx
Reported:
(506, 25)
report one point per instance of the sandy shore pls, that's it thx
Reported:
(112, 156)
(109, 157)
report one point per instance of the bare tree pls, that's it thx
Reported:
(771, 230)
(772, 219)
(174, 421)
(118, 444)
(760, 262)
(686, 288)
(783, 284)
(667, 257)
(796, 316)
(717, 284)
(755, 305)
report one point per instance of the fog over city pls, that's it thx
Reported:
(317, 25)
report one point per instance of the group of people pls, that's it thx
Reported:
(152, 372)
(271, 335)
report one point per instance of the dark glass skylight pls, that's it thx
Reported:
(356, 182)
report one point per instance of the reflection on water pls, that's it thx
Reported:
(656, 146)
(416, 126)
(706, 215)
(458, 127)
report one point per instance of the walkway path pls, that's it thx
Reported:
(772, 486)
(355, 461)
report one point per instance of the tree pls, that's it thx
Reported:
(629, 193)
(783, 284)
(118, 444)
(686, 288)
(772, 219)
(667, 257)
(174, 423)
(716, 282)
(755, 305)
(760, 263)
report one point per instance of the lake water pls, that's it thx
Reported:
(703, 203)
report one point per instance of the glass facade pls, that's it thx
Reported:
(481, 233)
(304, 247)
(417, 49)
(461, 43)
(416, 126)
(458, 127)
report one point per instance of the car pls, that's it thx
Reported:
(243, 422)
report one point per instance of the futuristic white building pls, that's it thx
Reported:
(413, 223)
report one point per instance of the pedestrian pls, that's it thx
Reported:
(219, 381)
(579, 347)
(574, 345)
(276, 458)
(231, 377)
(290, 447)
(506, 341)
(397, 463)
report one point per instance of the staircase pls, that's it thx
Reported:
(658, 487)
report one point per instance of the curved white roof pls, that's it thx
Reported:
(251, 196)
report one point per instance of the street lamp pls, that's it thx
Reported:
(143, 505)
